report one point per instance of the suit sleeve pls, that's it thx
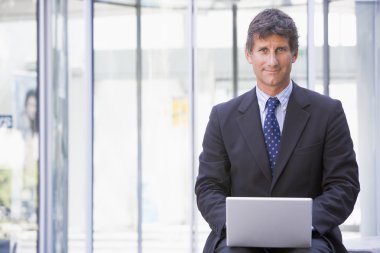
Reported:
(213, 181)
(340, 184)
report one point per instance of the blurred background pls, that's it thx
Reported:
(104, 105)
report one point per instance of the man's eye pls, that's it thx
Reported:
(264, 50)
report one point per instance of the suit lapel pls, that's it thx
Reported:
(250, 125)
(294, 124)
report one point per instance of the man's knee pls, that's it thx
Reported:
(318, 245)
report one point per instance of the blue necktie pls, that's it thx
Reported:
(272, 134)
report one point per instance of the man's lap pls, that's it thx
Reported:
(319, 245)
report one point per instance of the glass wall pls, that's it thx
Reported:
(166, 171)
(115, 129)
(367, 54)
(19, 130)
(343, 83)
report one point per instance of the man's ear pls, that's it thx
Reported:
(295, 56)
(248, 56)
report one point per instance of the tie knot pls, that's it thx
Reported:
(272, 103)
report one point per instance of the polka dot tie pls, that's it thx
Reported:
(272, 134)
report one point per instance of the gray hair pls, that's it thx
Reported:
(270, 22)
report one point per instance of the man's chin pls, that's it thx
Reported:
(273, 83)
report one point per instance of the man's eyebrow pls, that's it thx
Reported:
(261, 47)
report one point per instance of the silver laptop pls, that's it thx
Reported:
(269, 222)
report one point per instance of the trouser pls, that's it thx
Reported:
(318, 245)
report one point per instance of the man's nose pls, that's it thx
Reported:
(273, 61)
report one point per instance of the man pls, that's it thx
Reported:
(311, 154)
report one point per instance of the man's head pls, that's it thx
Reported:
(272, 48)
(272, 22)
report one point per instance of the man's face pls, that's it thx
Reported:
(271, 60)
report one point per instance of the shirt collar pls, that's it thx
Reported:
(283, 96)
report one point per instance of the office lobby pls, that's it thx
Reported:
(104, 105)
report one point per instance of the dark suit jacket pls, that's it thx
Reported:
(316, 160)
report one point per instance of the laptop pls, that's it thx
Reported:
(269, 222)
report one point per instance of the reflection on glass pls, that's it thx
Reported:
(19, 136)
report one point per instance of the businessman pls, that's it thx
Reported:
(277, 140)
